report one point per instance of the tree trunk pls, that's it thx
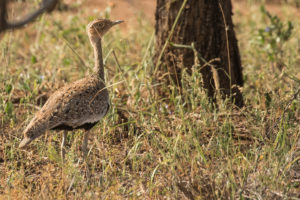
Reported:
(2, 15)
(201, 22)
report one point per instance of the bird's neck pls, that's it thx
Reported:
(99, 69)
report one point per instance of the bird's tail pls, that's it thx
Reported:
(25, 142)
(34, 129)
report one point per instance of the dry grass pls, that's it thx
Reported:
(179, 147)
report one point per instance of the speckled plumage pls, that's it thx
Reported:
(77, 105)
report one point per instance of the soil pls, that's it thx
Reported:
(130, 10)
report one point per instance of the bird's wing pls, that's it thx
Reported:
(75, 104)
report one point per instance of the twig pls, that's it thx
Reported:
(227, 45)
(74, 51)
(169, 37)
(98, 92)
(118, 64)
(198, 57)
(148, 47)
(285, 109)
(46, 5)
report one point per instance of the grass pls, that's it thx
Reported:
(178, 147)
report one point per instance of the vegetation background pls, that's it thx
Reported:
(179, 147)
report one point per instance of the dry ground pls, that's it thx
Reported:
(147, 147)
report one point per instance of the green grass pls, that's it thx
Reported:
(149, 147)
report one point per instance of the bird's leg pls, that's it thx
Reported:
(62, 147)
(85, 143)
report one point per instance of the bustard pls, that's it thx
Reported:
(78, 105)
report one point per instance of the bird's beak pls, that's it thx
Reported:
(118, 22)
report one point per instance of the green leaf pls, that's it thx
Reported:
(9, 107)
(8, 88)
(33, 59)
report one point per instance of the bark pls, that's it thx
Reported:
(202, 23)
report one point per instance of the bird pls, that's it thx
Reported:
(78, 105)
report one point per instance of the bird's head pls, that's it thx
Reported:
(99, 27)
